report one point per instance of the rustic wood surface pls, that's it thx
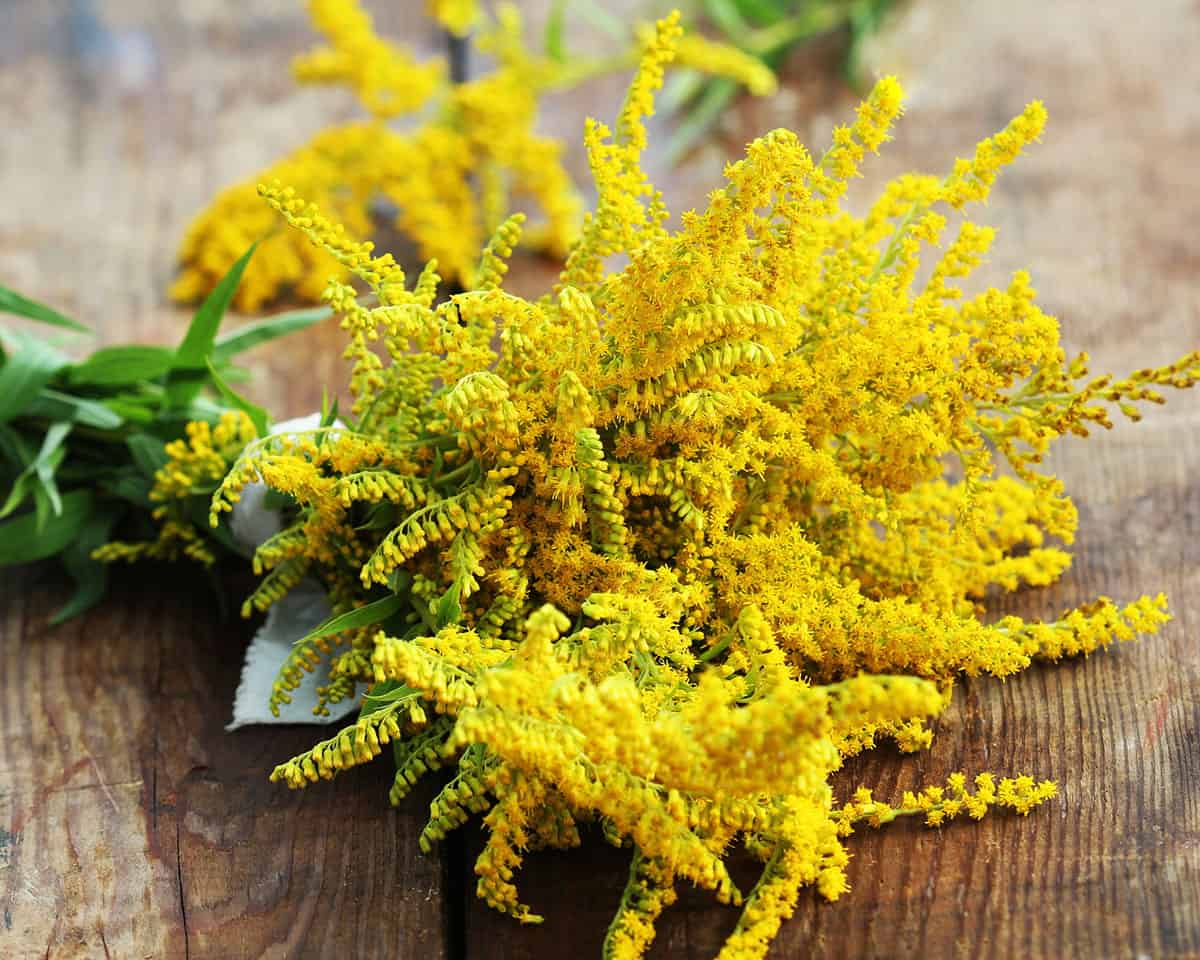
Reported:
(132, 825)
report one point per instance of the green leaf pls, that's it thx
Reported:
(20, 541)
(43, 508)
(118, 366)
(36, 470)
(25, 372)
(38, 477)
(329, 410)
(727, 17)
(148, 452)
(53, 405)
(22, 487)
(128, 484)
(233, 374)
(135, 409)
(262, 331)
(56, 433)
(718, 93)
(186, 376)
(399, 581)
(277, 500)
(258, 416)
(90, 576)
(383, 693)
(448, 609)
(553, 39)
(763, 12)
(372, 613)
(865, 18)
(19, 306)
(683, 86)
(14, 448)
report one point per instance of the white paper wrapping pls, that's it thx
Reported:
(287, 621)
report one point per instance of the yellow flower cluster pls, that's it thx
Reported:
(457, 16)
(452, 178)
(657, 550)
(700, 53)
(938, 804)
(195, 465)
(384, 77)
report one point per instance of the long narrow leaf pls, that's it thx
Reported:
(20, 541)
(381, 694)
(186, 377)
(132, 409)
(682, 87)
(54, 405)
(449, 610)
(764, 11)
(90, 576)
(13, 447)
(22, 489)
(262, 331)
(258, 416)
(716, 97)
(365, 616)
(553, 38)
(594, 15)
(148, 452)
(127, 484)
(726, 15)
(21, 306)
(26, 370)
(117, 366)
(198, 511)
(38, 477)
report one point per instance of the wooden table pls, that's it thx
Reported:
(131, 825)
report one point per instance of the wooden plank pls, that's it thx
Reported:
(333, 871)
(79, 870)
(131, 822)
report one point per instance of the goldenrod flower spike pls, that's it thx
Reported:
(195, 464)
(384, 76)
(721, 59)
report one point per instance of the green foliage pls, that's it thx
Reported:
(190, 366)
(365, 616)
(81, 441)
(19, 306)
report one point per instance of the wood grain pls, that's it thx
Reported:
(132, 825)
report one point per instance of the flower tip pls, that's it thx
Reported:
(889, 93)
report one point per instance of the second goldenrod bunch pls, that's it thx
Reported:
(470, 154)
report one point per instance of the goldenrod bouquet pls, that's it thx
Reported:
(469, 152)
(658, 550)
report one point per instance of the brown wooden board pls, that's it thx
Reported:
(132, 825)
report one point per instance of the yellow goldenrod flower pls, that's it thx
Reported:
(382, 75)
(723, 60)
(195, 465)
(457, 16)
